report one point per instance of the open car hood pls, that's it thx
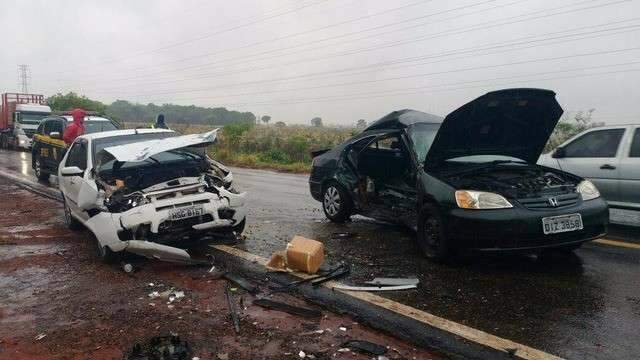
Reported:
(511, 122)
(140, 151)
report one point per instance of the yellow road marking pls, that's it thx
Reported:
(623, 244)
(466, 332)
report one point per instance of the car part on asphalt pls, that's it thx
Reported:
(380, 281)
(373, 288)
(294, 310)
(241, 282)
(365, 347)
(161, 348)
(342, 235)
(232, 308)
(278, 261)
(468, 182)
(340, 271)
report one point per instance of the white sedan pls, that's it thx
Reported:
(149, 192)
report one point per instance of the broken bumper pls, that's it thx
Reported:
(519, 229)
(121, 231)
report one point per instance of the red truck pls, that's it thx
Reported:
(20, 116)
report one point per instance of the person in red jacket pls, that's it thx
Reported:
(76, 128)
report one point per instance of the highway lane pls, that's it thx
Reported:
(586, 306)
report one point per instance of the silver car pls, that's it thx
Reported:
(609, 156)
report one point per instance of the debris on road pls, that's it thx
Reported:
(232, 308)
(305, 254)
(278, 261)
(161, 347)
(241, 282)
(335, 273)
(40, 337)
(342, 235)
(380, 281)
(373, 288)
(128, 268)
(365, 347)
(294, 310)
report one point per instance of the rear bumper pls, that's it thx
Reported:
(519, 229)
(315, 187)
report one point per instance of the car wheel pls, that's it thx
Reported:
(336, 203)
(239, 227)
(69, 220)
(37, 168)
(431, 235)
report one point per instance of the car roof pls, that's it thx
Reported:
(403, 118)
(106, 134)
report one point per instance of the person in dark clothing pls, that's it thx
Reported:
(160, 124)
(76, 128)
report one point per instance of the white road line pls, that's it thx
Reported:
(466, 332)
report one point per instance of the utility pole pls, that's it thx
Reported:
(23, 75)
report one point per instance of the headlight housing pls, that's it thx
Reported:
(478, 200)
(587, 190)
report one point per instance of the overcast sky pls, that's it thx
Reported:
(341, 60)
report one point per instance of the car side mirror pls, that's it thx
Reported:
(558, 153)
(87, 196)
(55, 135)
(71, 171)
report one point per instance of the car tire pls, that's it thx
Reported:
(336, 202)
(39, 172)
(239, 227)
(69, 220)
(431, 234)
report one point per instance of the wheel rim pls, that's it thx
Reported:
(432, 232)
(332, 202)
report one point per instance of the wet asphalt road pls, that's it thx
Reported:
(586, 306)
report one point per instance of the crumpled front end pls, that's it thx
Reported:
(158, 221)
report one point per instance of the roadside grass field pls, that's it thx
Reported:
(286, 148)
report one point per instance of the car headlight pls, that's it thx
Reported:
(588, 190)
(469, 199)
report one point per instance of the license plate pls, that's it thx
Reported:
(560, 224)
(186, 212)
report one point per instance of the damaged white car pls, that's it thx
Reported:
(149, 192)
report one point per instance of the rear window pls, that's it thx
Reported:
(98, 126)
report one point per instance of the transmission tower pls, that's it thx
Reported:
(23, 75)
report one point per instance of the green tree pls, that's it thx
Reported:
(280, 124)
(266, 119)
(361, 124)
(569, 126)
(71, 100)
(316, 121)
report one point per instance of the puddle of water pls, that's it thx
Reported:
(14, 251)
(23, 228)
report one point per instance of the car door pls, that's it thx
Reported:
(594, 155)
(71, 184)
(630, 171)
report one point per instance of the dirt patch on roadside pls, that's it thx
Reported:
(59, 302)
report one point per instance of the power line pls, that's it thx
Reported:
(368, 95)
(482, 26)
(188, 41)
(472, 50)
(608, 52)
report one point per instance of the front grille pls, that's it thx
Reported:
(544, 202)
(29, 132)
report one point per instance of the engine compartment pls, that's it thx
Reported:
(518, 182)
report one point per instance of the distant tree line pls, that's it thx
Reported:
(123, 110)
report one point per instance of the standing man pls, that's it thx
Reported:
(76, 128)
(160, 124)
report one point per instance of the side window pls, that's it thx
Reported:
(78, 155)
(40, 129)
(47, 127)
(635, 144)
(595, 144)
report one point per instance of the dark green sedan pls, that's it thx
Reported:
(465, 182)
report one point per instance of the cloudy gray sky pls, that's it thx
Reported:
(338, 59)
